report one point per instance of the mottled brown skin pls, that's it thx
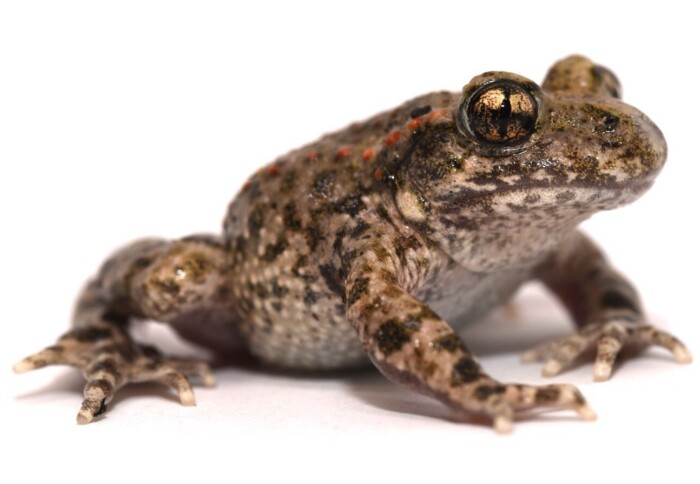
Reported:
(379, 239)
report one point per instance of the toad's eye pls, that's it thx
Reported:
(500, 113)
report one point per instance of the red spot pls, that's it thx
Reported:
(312, 155)
(246, 186)
(415, 123)
(368, 154)
(273, 170)
(378, 174)
(393, 137)
(343, 152)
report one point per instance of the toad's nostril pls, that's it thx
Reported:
(610, 122)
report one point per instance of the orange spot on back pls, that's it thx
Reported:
(273, 170)
(368, 154)
(415, 123)
(343, 152)
(393, 137)
(378, 174)
(311, 155)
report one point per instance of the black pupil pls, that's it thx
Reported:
(504, 113)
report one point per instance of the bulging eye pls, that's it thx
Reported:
(500, 113)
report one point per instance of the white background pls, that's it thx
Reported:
(132, 118)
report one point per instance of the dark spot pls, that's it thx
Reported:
(323, 183)
(517, 208)
(420, 111)
(301, 263)
(277, 306)
(359, 229)
(359, 289)
(483, 392)
(290, 216)
(279, 290)
(141, 262)
(614, 300)
(310, 296)
(274, 250)
(405, 244)
(338, 242)
(288, 180)
(450, 343)
(611, 144)
(352, 204)
(547, 395)
(137, 266)
(313, 236)
(330, 275)
(413, 324)
(255, 220)
(425, 313)
(532, 198)
(459, 221)
(466, 370)
(239, 244)
(382, 212)
(260, 290)
(565, 196)
(391, 336)
(246, 305)
(380, 251)
(401, 253)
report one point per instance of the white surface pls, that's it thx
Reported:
(133, 118)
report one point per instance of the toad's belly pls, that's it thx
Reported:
(318, 337)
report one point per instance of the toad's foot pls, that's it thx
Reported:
(501, 401)
(109, 359)
(608, 338)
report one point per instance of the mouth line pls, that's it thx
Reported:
(469, 197)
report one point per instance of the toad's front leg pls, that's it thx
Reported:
(605, 307)
(413, 346)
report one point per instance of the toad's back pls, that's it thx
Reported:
(286, 229)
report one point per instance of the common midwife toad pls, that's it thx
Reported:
(377, 240)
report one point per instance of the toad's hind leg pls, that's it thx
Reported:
(156, 279)
(605, 307)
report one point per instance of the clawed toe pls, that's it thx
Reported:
(48, 356)
(107, 368)
(527, 397)
(607, 339)
(97, 394)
